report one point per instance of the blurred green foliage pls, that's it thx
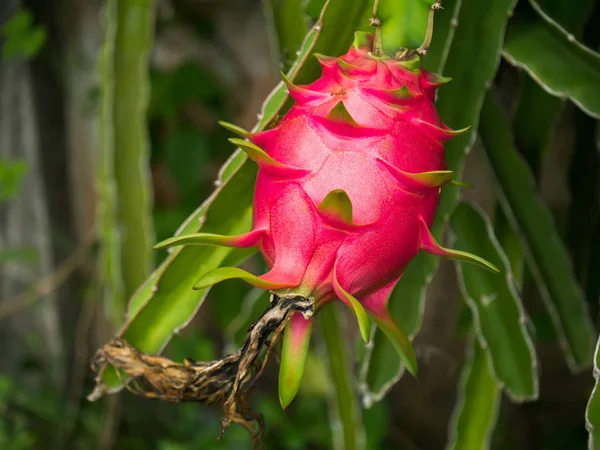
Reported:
(22, 38)
(11, 176)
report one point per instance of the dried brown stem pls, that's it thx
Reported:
(228, 381)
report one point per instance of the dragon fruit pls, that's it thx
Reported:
(347, 189)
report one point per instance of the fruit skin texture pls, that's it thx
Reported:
(348, 185)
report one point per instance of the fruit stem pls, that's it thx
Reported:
(422, 50)
(375, 22)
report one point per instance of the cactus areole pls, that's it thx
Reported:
(347, 189)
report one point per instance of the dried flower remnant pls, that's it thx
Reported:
(228, 381)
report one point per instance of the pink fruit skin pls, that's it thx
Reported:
(302, 245)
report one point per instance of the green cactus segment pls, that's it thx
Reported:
(294, 350)
(361, 315)
(339, 114)
(337, 206)
(250, 239)
(346, 423)
(573, 71)
(265, 162)
(592, 412)
(134, 41)
(229, 273)
(478, 405)
(545, 253)
(235, 129)
(429, 244)
(399, 341)
(499, 318)
(403, 23)
(421, 180)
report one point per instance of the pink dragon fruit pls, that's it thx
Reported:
(347, 188)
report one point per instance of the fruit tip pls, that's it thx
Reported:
(462, 184)
(284, 400)
(234, 129)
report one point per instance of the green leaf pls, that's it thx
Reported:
(344, 406)
(476, 412)
(499, 317)
(243, 240)
(544, 251)
(259, 156)
(228, 273)
(294, 351)
(166, 302)
(429, 243)
(471, 61)
(555, 59)
(364, 324)
(234, 129)
(419, 180)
